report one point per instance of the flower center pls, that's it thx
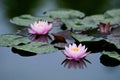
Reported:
(75, 49)
(41, 25)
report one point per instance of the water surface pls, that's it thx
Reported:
(47, 66)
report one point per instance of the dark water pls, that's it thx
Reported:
(46, 66)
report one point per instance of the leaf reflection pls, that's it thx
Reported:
(22, 52)
(109, 61)
(81, 64)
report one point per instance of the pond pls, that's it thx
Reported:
(17, 65)
(48, 67)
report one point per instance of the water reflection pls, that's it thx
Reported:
(22, 52)
(81, 64)
(108, 61)
(40, 38)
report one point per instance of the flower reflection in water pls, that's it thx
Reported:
(81, 64)
(40, 38)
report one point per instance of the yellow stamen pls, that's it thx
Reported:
(41, 25)
(75, 49)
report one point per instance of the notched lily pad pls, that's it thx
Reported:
(22, 52)
(85, 38)
(114, 37)
(36, 47)
(116, 43)
(25, 44)
(109, 61)
(75, 24)
(112, 13)
(112, 54)
(12, 40)
(65, 13)
(93, 20)
(26, 20)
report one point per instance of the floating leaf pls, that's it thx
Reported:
(115, 20)
(109, 61)
(83, 24)
(85, 38)
(114, 37)
(112, 13)
(116, 43)
(75, 24)
(23, 43)
(26, 20)
(22, 52)
(112, 54)
(12, 40)
(36, 47)
(66, 13)
(92, 20)
(97, 17)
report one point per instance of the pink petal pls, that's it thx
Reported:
(66, 53)
(80, 45)
(74, 45)
(31, 31)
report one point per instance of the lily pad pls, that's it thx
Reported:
(36, 47)
(114, 20)
(26, 20)
(65, 13)
(23, 43)
(95, 17)
(12, 40)
(83, 24)
(116, 43)
(112, 13)
(114, 37)
(112, 54)
(76, 24)
(85, 38)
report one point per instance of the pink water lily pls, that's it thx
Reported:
(74, 52)
(40, 27)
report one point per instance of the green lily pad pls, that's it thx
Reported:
(65, 13)
(23, 43)
(112, 54)
(83, 24)
(12, 40)
(95, 17)
(114, 20)
(93, 20)
(114, 37)
(76, 24)
(85, 38)
(112, 13)
(115, 42)
(36, 47)
(26, 20)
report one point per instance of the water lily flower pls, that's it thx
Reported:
(74, 52)
(40, 27)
